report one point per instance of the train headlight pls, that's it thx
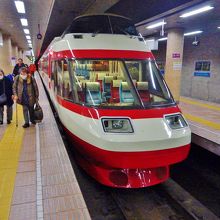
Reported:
(117, 125)
(176, 121)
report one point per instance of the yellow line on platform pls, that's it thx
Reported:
(204, 105)
(10, 146)
(202, 121)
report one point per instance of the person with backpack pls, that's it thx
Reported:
(26, 93)
(5, 97)
(18, 66)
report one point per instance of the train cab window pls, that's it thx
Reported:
(103, 83)
(118, 84)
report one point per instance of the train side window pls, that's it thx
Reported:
(59, 67)
(66, 88)
(53, 74)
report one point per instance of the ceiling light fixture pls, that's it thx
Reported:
(162, 39)
(24, 21)
(156, 25)
(193, 33)
(28, 37)
(29, 41)
(197, 11)
(219, 27)
(20, 6)
(26, 31)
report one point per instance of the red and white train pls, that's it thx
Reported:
(113, 102)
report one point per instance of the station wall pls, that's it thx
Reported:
(200, 87)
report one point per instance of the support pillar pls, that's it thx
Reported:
(174, 58)
(6, 54)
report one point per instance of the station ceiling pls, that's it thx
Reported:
(55, 15)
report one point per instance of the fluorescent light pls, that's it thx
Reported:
(29, 41)
(24, 21)
(197, 11)
(162, 39)
(20, 6)
(26, 31)
(219, 27)
(193, 33)
(30, 45)
(156, 25)
(28, 37)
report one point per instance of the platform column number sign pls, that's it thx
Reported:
(1, 40)
(177, 65)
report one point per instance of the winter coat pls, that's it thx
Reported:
(8, 90)
(16, 69)
(32, 89)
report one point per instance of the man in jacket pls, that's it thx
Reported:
(26, 94)
(6, 88)
(18, 66)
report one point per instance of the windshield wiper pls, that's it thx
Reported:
(95, 33)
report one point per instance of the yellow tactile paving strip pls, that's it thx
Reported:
(200, 104)
(207, 116)
(203, 121)
(10, 146)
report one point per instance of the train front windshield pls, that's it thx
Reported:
(115, 84)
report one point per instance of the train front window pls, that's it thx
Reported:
(117, 84)
(150, 85)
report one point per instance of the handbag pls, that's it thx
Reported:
(38, 113)
(3, 97)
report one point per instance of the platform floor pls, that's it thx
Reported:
(36, 177)
(204, 121)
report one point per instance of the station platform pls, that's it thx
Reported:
(36, 177)
(204, 121)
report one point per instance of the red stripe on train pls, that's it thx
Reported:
(99, 54)
(131, 160)
(132, 113)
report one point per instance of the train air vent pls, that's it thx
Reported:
(78, 36)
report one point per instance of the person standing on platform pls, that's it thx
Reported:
(26, 93)
(18, 66)
(6, 88)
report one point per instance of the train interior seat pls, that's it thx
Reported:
(142, 88)
(115, 90)
(107, 82)
(125, 93)
(93, 93)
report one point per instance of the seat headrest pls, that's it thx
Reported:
(65, 75)
(93, 86)
(116, 83)
(142, 85)
(124, 86)
(120, 77)
(101, 75)
(108, 79)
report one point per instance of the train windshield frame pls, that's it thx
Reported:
(112, 83)
(102, 24)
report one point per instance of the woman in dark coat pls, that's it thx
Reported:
(6, 87)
